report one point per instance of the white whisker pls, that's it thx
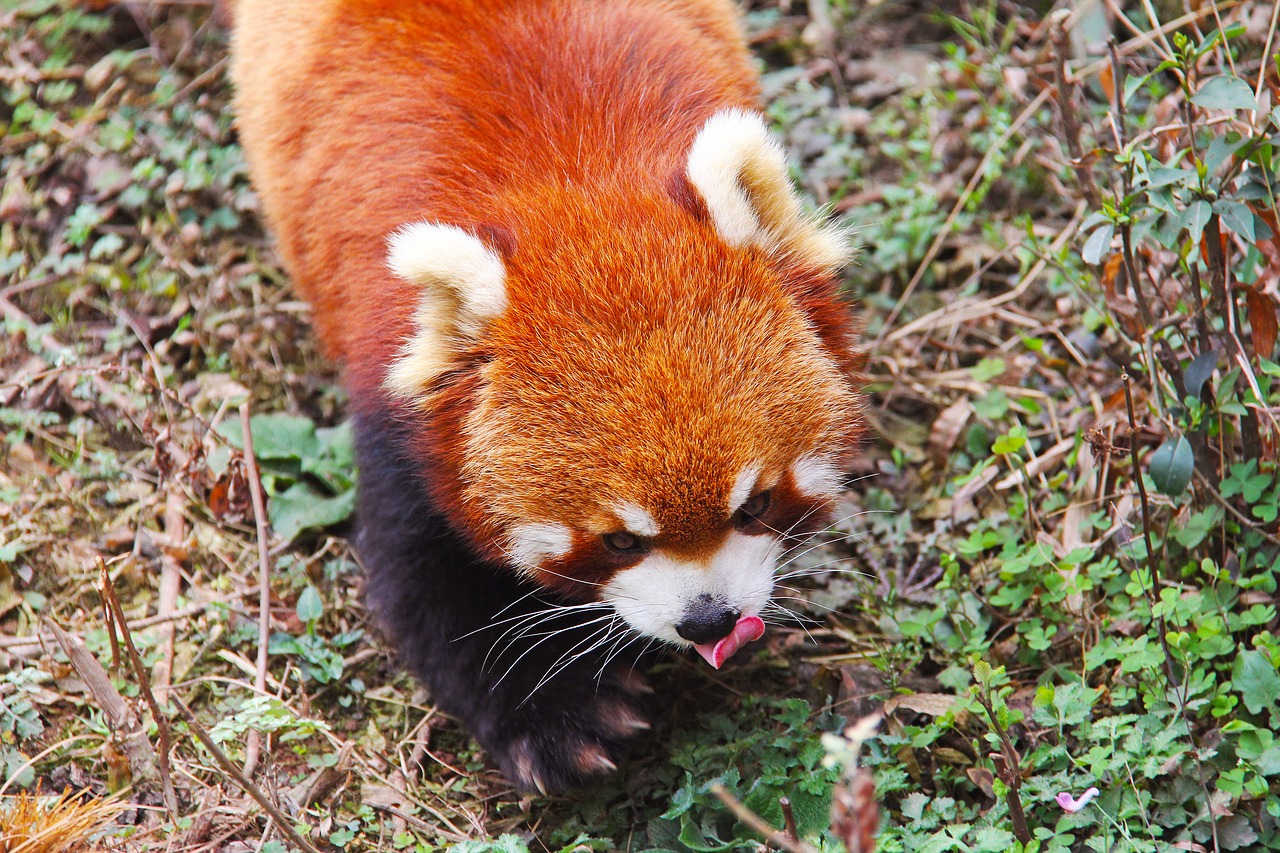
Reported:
(592, 641)
(534, 567)
(802, 621)
(804, 600)
(550, 608)
(544, 637)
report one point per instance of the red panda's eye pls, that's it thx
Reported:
(623, 543)
(756, 506)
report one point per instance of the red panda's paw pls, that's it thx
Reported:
(581, 743)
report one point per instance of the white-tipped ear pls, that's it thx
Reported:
(463, 288)
(447, 258)
(740, 171)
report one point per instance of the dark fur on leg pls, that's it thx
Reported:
(445, 610)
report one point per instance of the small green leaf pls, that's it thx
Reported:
(1218, 34)
(1245, 480)
(1133, 84)
(914, 804)
(1098, 246)
(80, 224)
(310, 606)
(301, 508)
(1163, 176)
(1093, 220)
(1255, 678)
(1237, 217)
(1172, 465)
(9, 551)
(1220, 148)
(1199, 371)
(1225, 93)
(1012, 442)
(1195, 217)
(692, 837)
(16, 768)
(993, 405)
(282, 436)
(1198, 527)
(275, 436)
(987, 369)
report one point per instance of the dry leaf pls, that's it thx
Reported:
(229, 498)
(1262, 320)
(1106, 77)
(983, 779)
(947, 428)
(933, 704)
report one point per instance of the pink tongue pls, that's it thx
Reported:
(748, 628)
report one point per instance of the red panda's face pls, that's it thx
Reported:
(652, 446)
(655, 408)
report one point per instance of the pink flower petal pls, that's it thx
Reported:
(1071, 805)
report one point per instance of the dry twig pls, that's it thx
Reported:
(116, 623)
(772, 836)
(264, 581)
(137, 749)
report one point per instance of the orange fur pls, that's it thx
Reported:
(357, 118)
(640, 357)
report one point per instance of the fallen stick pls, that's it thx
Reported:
(772, 836)
(264, 581)
(137, 624)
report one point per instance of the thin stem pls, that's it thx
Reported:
(1178, 689)
(1010, 769)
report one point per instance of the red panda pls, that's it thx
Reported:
(597, 363)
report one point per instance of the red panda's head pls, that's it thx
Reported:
(642, 396)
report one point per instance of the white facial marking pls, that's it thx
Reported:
(637, 520)
(817, 477)
(652, 596)
(535, 543)
(743, 486)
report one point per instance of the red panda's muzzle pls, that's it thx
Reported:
(717, 630)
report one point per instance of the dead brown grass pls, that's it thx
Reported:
(64, 824)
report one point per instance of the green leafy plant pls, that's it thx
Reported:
(308, 471)
(268, 715)
(319, 658)
(19, 722)
(758, 766)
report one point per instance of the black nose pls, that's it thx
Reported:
(707, 620)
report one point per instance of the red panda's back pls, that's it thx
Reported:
(358, 116)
